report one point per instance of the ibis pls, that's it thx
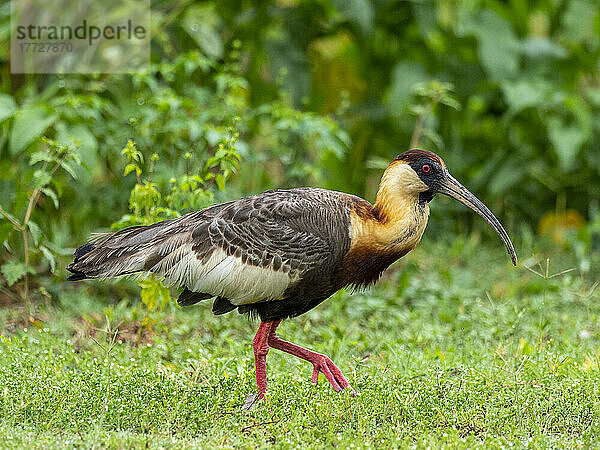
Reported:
(279, 254)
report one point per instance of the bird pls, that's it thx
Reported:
(279, 254)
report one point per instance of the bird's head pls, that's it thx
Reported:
(422, 174)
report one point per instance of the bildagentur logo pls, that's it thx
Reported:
(83, 31)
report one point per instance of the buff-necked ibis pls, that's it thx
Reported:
(280, 253)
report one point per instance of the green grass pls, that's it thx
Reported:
(453, 348)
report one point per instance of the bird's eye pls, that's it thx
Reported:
(426, 168)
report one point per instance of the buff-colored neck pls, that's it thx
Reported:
(400, 219)
(398, 193)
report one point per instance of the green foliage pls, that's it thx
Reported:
(427, 96)
(42, 181)
(154, 294)
(524, 73)
(28, 124)
(13, 271)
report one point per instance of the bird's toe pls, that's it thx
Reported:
(332, 373)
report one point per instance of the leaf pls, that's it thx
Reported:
(7, 106)
(211, 162)
(132, 153)
(49, 257)
(425, 15)
(506, 174)
(85, 143)
(164, 293)
(13, 271)
(30, 122)
(358, 11)
(69, 169)
(201, 22)
(40, 156)
(566, 139)
(404, 76)
(220, 180)
(525, 93)
(50, 193)
(451, 102)
(149, 294)
(36, 232)
(41, 178)
(543, 47)
(152, 291)
(578, 19)
(130, 168)
(499, 48)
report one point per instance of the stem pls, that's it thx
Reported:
(151, 171)
(35, 195)
(16, 224)
(32, 201)
(111, 338)
(414, 140)
(26, 287)
(36, 192)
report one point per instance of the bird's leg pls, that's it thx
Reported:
(321, 363)
(260, 345)
(261, 348)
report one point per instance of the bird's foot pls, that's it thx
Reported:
(322, 363)
(253, 401)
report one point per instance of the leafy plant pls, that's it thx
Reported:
(191, 190)
(427, 96)
(25, 240)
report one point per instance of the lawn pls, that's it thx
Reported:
(454, 347)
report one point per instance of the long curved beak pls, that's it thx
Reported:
(451, 187)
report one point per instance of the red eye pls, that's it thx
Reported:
(426, 168)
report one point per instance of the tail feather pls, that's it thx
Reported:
(76, 275)
(86, 248)
(128, 251)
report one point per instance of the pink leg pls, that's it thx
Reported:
(321, 363)
(261, 348)
(260, 345)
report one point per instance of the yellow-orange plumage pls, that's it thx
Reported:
(388, 230)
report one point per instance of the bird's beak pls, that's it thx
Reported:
(451, 187)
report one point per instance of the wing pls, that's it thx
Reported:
(267, 247)
(258, 248)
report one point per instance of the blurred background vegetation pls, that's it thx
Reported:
(246, 96)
